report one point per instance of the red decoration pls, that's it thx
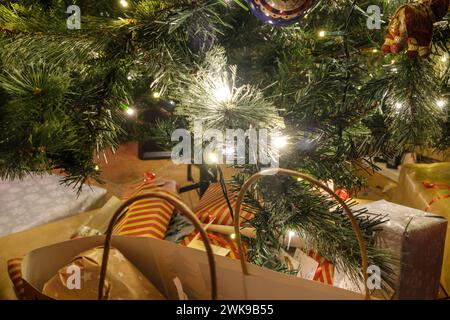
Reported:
(342, 193)
(149, 176)
(412, 27)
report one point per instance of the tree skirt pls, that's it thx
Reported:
(38, 200)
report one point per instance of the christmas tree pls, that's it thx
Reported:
(75, 73)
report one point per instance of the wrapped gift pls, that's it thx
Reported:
(213, 205)
(415, 238)
(427, 187)
(217, 240)
(123, 280)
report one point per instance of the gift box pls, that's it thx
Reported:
(416, 239)
(213, 205)
(427, 187)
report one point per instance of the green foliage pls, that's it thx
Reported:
(337, 97)
(211, 94)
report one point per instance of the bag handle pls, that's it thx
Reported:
(182, 208)
(286, 172)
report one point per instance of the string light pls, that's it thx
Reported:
(280, 142)
(398, 106)
(130, 111)
(212, 158)
(441, 103)
(232, 236)
(124, 3)
(374, 50)
(444, 58)
(156, 95)
(96, 168)
(322, 33)
(222, 93)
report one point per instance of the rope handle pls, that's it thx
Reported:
(285, 172)
(182, 208)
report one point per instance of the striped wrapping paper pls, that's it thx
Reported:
(325, 270)
(146, 217)
(213, 205)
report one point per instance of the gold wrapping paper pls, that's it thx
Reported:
(412, 193)
(123, 280)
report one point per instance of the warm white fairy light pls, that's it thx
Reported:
(212, 157)
(398, 106)
(156, 95)
(280, 142)
(124, 3)
(130, 111)
(96, 168)
(441, 103)
(222, 93)
(322, 33)
(444, 58)
(232, 236)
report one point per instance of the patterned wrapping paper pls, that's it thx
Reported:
(214, 205)
(412, 192)
(325, 270)
(123, 280)
(146, 217)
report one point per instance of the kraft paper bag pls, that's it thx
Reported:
(162, 262)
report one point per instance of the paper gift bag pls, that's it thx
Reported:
(161, 262)
(38, 270)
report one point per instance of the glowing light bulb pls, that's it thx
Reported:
(96, 168)
(441, 103)
(130, 111)
(124, 3)
(322, 33)
(232, 236)
(222, 93)
(156, 95)
(212, 158)
(374, 50)
(280, 142)
(398, 106)
(444, 58)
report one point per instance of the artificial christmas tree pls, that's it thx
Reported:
(72, 80)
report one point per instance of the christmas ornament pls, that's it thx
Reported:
(412, 26)
(279, 12)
